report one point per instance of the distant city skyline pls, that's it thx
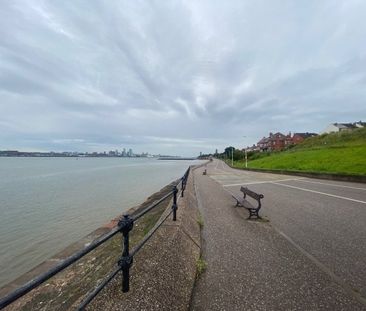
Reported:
(110, 153)
(178, 77)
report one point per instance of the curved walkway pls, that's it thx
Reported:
(250, 265)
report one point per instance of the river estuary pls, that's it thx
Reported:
(48, 203)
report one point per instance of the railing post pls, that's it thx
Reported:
(175, 207)
(125, 224)
(183, 187)
(184, 182)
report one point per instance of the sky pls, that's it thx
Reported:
(176, 77)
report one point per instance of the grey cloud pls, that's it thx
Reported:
(172, 77)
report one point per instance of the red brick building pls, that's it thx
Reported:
(279, 141)
(299, 137)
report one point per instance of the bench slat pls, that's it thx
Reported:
(251, 193)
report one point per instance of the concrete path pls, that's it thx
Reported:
(289, 262)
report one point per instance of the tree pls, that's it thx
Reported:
(228, 151)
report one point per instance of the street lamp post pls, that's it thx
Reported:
(232, 156)
(246, 156)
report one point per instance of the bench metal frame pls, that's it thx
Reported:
(242, 202)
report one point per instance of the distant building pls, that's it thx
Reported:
(279, 141)
(252, 148)
(339, 127)
(274, 142)
(263, 144)
(10, 153)
(299, 137)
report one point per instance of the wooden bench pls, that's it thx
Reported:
(253, 211)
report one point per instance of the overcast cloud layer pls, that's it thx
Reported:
(176, 77)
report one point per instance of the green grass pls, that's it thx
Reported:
(339, 153)
(201, 266)
(200, 221)
(352, 138)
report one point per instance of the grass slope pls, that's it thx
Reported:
(343, 153)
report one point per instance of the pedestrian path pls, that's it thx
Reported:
(250, 266)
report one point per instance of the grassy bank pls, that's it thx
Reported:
(339, 153)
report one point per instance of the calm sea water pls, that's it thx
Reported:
(48, 203)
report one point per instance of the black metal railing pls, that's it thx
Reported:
(125, 225)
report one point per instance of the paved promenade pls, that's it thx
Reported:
(309, 256)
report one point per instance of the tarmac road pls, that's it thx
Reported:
(322, 221)
(325, 218)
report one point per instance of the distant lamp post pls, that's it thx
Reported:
(232, 156)
(246, 155)
(246, 158)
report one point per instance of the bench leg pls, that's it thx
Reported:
(253, 213)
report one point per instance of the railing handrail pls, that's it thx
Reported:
(124, 226)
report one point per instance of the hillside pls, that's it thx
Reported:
(343, 153)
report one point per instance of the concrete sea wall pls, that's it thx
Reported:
(164, 272)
